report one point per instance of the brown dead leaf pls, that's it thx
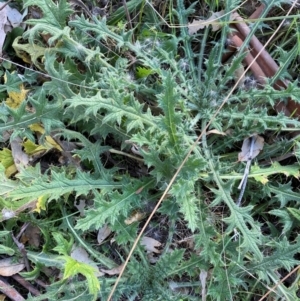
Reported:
(114, 271)
(257, 146)
(150, 244)
(10, 266)
(32, 235)
(103, 233)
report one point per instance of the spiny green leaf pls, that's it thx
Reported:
(58, 184)
(45, 259)
(295, 213)
(6, 185)
(63, 246)
(91, 152)
(54, 14)
(168, 100)
(117, 109)
(283, 192)
(285, 219)
(282, 256)
(109, 208)
(183, 191)
(12, 84)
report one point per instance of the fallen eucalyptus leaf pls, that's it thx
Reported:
(20, 158)
(10, 266)
(103, 233)
(247, 153)
(150, 244)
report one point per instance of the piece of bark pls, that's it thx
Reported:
(9, 291)
(26, 284)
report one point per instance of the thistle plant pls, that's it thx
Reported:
(122, 102)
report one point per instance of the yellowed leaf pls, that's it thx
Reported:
(41, 203)
(262, 179)
(33, 149)
(15, 99)
(29, 53)
(11, 170)
(36, 127)
(50, 143)
(6, 157)
(7, 160)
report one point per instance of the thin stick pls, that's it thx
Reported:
(215, 21)
(9, 291)
(187, 156)
(5, 4)
(279, 282)
(127, 14)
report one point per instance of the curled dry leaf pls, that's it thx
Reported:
(216, 132)
(135, 217)
(212, 20)
(114, 271)
(150, 244)
(103, 233)
(257, 145)
(10, 266)
(20, 158)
